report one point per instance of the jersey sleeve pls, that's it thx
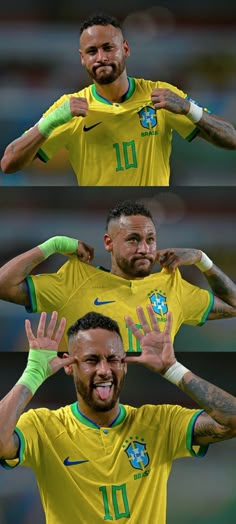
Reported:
(196, 303)
(49, 291)
(181, 423)
(29, 446)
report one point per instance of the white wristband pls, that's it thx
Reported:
(175, 373)
(204, 263)
(195, 113)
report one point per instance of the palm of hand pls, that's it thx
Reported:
(157, 351)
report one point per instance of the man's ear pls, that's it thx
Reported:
(108, 243)
(81, 57)
(126, 48)
(69, 368)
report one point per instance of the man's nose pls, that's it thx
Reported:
(143, 246)
(103, 367)
(101, 55)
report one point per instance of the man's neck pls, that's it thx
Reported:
(116, 91)
(99, 418)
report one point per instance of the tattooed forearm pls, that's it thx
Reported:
(207, 427)
(219, 422)
(222, 286)
(220, 311)
(218, 131)
(23, 399)
(208, 396)
(11, 408)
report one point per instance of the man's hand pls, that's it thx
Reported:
(157, 348)
(85, 252)
(78, 106)
(167, 99)
(171, 258)
(48, 338)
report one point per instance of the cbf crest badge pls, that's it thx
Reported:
(158, 302)
(137, 454)
(148, 117)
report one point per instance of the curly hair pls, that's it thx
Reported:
(93, 320)
(128, 208)
(99, 19)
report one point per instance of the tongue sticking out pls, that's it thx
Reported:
(103, 392)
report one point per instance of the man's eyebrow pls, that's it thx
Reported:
(91, 47)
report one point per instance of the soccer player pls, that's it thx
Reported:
(118, 130)
(79, 287)
(98, 459)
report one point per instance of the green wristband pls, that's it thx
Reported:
(63, 245)
(61, 115)
(37, 369)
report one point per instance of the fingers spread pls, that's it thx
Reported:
(41, 325)
(60, 330)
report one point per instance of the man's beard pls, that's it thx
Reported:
(132, 270)
(116, 71)
(86, 392)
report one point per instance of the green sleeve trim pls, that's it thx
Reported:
(32, 308)
(42, 156)
(189, 437)
(5, 463)
(192, 135)
(208, 310)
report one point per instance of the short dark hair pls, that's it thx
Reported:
(99, 19)
(93, 320)
(128, 208)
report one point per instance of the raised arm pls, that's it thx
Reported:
(42, 363)
(219, 420)
(212, 128)
(22, 151)
(13, 287)
(223, 287)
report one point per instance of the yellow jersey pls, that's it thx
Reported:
(78, 288)
(91, 474)
(125, 144)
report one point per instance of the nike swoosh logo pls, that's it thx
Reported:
(85, 128)
(67, 462)
(98, 302)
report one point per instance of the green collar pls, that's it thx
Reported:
(127, 95)
(88, 422)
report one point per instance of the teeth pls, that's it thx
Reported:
(103, 384)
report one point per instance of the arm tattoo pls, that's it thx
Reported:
(22, 401)
(219, 405)
(222, 285)
(218, 131)
(206, 427)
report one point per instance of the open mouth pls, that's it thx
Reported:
(103, 389)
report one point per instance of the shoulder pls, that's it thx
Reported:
(171, 87)
(84, 93)
(75, 264)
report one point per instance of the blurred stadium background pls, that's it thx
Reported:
(192, 47)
